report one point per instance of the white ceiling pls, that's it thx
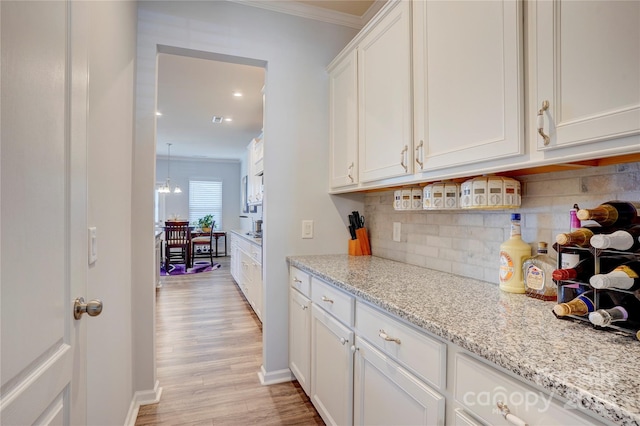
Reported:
(191, 90)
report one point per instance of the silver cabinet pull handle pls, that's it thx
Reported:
(325, 299)
(511, 418)
(403, 157)
(386, 337)
(350, 173)
(343, 340)
(545, 106)
(418, 156)
(296, 280)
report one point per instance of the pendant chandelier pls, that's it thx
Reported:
(166, 188)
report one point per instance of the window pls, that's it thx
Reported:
(205, 197)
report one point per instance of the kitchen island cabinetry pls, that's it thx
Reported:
(246, 268)
(447, 349)
(586, 70)
(467, 82)
(384, 94)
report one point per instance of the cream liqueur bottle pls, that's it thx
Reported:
(513, 253)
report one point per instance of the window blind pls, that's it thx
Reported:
(205, 197)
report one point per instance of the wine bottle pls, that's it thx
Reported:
(570, 256)
(627, 310)
(613, 213)
(580, 237)
(625, 277)
(581, 305)
(584, 269)
(623, 239)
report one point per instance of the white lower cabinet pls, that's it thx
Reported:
(387, 394)
(300, 338)
(331, 368)
(246, 270)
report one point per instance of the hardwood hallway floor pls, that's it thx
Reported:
(209, 351)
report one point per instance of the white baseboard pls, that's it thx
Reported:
(142, 398)
(273, 377)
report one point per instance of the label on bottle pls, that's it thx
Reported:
(534, 279)
(506, 266)
(569, 260)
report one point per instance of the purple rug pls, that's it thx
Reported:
(179, 268)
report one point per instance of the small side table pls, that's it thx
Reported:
(216, 237)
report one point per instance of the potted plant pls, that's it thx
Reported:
(206, 223)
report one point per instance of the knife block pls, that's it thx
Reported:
(360, 246)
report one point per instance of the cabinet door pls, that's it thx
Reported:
(387, 394)
(256, 288)
(300, 338)
(343, 121)
(384, 93)
(587, 57)
(331, 368)
(468, 82)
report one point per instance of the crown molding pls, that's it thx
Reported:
(311, 12)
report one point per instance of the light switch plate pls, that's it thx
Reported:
(397, 228)
(307, 229)
(93, 245)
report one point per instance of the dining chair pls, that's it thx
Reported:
(199, 244)
(177, 243)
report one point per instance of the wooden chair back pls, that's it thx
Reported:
(177, 234)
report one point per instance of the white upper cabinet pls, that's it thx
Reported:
(343, 120)
(587, 65)
(468, 82)
(384, 93)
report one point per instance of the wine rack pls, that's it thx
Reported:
(569, 289)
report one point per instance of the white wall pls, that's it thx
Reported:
(296, 51)
(110, 139)
(183, 170)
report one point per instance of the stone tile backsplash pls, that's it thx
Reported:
(466, 242)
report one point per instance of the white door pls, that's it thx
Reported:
(43, 233)
(384, 97)
(587, 57)
(300, 338)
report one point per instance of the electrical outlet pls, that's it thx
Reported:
(397, 228)
(307, 229)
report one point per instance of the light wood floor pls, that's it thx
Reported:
(209, 351)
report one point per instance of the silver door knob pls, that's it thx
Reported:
(93, 308)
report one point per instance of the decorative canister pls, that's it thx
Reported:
(466, 189)
(451, 195)
(495, 191)
(426, 197)
(406, 199)
(511, 192)
(397, 199)
(479, 192)
(416, 198)
(437, 196)
(490, 192)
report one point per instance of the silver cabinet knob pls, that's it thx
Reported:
(93, 308)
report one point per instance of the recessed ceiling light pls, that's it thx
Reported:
(217, 119)
(237, 94)
(228, 119)
(158, 113)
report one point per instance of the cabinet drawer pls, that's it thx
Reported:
(333, 300)
(479, 387)
(424, 355)
(256, 253)
(300, 280)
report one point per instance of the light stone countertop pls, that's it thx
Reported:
(595, 369)
(244, 234)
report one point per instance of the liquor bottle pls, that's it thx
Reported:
(585, 269)
(513, 252)
(583, 304)
(625, 277)
(613, 213)
(623, 239)
(536, 271)
(627, 310)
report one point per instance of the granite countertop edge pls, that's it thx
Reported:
(547, 378)
(243, 234)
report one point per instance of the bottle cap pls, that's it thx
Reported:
(600, 318)
(564, 274)
(561, 309)
(583, 214)
(600, 241)
(562, 239)
(600, 281)
(515, 216)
